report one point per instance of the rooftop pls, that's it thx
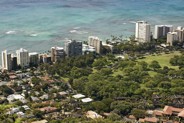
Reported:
(77, 96)
(164, 25)
(57, 48)
(142, 22)
(109, 45)
(33, 53)
(151, 119)
(93, 37)
(15, 96)
(92, 115)
(85, 100)
(22, 50)
(181, 114)
(63, 93)
(48, 109)
(173, 33)
(158, 113)
(169, 110)
(88, 48)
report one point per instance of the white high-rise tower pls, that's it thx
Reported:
(95, 42)
(6, 60)
(142, 32)
(22, 57)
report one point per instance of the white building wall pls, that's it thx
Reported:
(22, 57)
(142, 32)
(171, 36)
(95, 42)
(6, 61)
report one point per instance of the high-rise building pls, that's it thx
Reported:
(73, 48)
(180, 31)
(171, 37)
(14, 62)
(57, 53)
(109, 48)
(95, 42)
(22, 57)
(33, 58)
(142, 32)
(6, 60)
(45, 58)
(162, 30)
(86, 49)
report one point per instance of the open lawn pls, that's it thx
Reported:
(163, 59)
(152, 73)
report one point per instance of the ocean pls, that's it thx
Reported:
(37, 25)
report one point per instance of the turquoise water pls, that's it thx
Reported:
(39, 24)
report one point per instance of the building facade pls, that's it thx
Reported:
(14, 62)
(171, 37)
(6, 60)
(96, 43)
(73, 48)
(22, 58)
(142, 32)
(86, 49)
(33, 58)
(45, 58)
(162, 30)
(180, 32)
(57, 54)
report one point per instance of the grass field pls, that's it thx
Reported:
(163, 59)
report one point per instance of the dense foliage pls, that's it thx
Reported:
(122, 86)
(177, 61)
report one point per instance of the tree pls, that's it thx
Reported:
(178, 90)
(99, 63)
(138, 113)
(79, 84)
(80, 72)
(36, 80)
(93, 88)
(177, 83)
(4, 75)
(99, 106)
(177, 60)
(144, 65)
(106, 71)
(165, 85)
(120, 107)
(107, 102)
(38, 113)
(154, 65)
(6, 90)
(114, 117)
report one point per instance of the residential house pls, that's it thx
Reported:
(13, 97)
(78, 96)
(93, 115)
(44, 97)
(48, 109)
(86, 100)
